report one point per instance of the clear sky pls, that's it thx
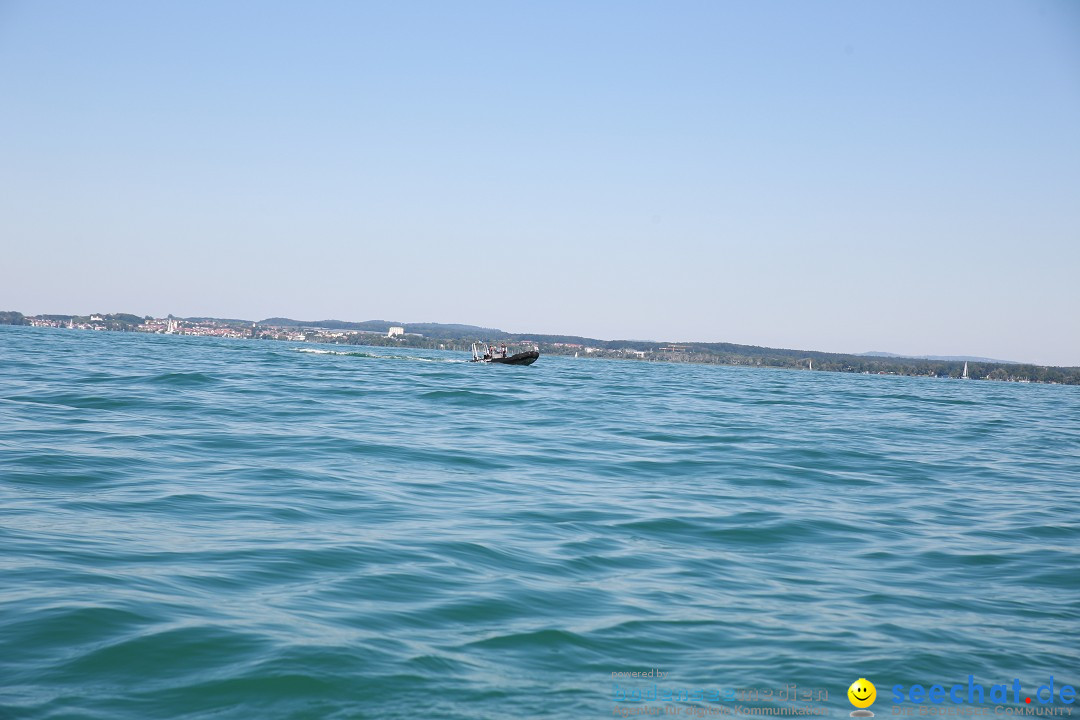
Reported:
(843, 176)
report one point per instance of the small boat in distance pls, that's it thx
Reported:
(965, 375)
(499, 355)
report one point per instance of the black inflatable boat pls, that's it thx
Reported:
(499, 355)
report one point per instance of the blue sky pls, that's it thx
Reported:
(841, 176)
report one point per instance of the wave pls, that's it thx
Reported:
(377, 356)
(217, 530)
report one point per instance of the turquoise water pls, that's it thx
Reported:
(206, 528)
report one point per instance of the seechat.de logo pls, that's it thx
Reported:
(973, 693)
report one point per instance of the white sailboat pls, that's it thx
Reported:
(965, 375)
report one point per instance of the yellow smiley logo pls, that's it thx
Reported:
(862, 693)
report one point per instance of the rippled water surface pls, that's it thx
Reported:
(206, 528)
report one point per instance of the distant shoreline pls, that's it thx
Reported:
(438, 336)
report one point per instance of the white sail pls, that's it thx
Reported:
(965, 375)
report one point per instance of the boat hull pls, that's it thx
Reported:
(522, 358)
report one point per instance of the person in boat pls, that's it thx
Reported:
(502, 350)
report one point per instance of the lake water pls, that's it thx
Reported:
(204, 528)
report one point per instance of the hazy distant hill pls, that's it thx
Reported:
(328, 324)
(431, 330)
(235, 321)
(945, 358)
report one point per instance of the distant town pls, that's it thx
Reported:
(440, 336)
